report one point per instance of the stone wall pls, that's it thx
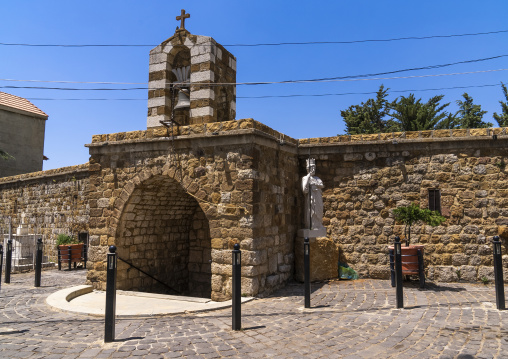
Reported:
(366, 177)
(175, 203)
(54, 202)
(183, 202)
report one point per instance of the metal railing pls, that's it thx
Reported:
(150, 276)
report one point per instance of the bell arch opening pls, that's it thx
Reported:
(180, 59)
(164, 232)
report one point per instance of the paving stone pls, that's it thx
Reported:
(358, 321)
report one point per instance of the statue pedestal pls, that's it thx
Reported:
(324, 258)
(312, 233)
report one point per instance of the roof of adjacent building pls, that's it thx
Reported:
(20, 105)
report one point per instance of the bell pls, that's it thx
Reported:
(183, 99)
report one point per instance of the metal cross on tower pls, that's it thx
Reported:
(182, 18)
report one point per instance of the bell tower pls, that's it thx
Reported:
(191, 80)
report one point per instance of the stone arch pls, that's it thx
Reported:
(162, 230)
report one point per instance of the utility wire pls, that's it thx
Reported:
(272, 44)
(271, 96)
(250, 83)
(326, 79)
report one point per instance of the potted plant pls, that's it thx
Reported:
(412, 255)
(413, 214)
(69, 249)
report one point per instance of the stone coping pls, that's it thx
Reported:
(45, 174)
(236, 127)
(405, 136)
(201, 130)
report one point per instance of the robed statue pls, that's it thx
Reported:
(311, 186)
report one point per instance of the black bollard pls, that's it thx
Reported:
(498, 274)
(306, 271)
(38, 263)
(109, 328)
(8, 261)
(69, 256)
(399, 295)
(237, 287)
(1, 263)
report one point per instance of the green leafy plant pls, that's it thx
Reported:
(459, 274)
(65, 239)
(5, 156)
(413, 214)
(501, 164)
(485, 280)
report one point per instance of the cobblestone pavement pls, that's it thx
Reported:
(348, 320)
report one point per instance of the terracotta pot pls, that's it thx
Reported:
(409, 257)
(76, 252)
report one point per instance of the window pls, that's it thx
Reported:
(435, 200)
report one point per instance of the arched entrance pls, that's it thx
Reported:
(164, 232)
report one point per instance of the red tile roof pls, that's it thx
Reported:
(19, 104)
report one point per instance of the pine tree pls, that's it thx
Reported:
(413, 115)
(502, 119)
(470, 115)
(369, 117)
(449, 122)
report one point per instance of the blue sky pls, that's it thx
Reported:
(71, 124)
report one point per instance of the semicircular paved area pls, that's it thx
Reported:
(348, 320)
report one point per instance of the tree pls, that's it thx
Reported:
(470, 115)
(369, 117)
(413, 214)
(449, 122)
(502, 119)
(413, 115)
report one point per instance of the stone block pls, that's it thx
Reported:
(468, 273)
(272, 280)
(445, 274)
(324, 257)
(379, 272)
(459, 259)
(250, 286)
(254, 257)
(487, 272)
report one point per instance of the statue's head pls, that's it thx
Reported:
(311, 166)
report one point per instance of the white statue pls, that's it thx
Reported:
(311, 185)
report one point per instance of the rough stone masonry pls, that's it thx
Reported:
(175, 199)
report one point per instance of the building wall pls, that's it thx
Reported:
(367, 177)
(54, 202)
(22, 136)
(194, 196)
(236, 173)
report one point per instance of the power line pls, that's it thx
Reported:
(326, 79)
(364, 93)
(271, 44)
(255, 83)
(273, 96)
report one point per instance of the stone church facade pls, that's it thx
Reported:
(176, 197)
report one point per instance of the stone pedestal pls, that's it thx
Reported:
(324, 257)
(312, 233)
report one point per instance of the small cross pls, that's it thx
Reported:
(182, 18)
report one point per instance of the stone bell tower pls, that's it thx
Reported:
(191, 80)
